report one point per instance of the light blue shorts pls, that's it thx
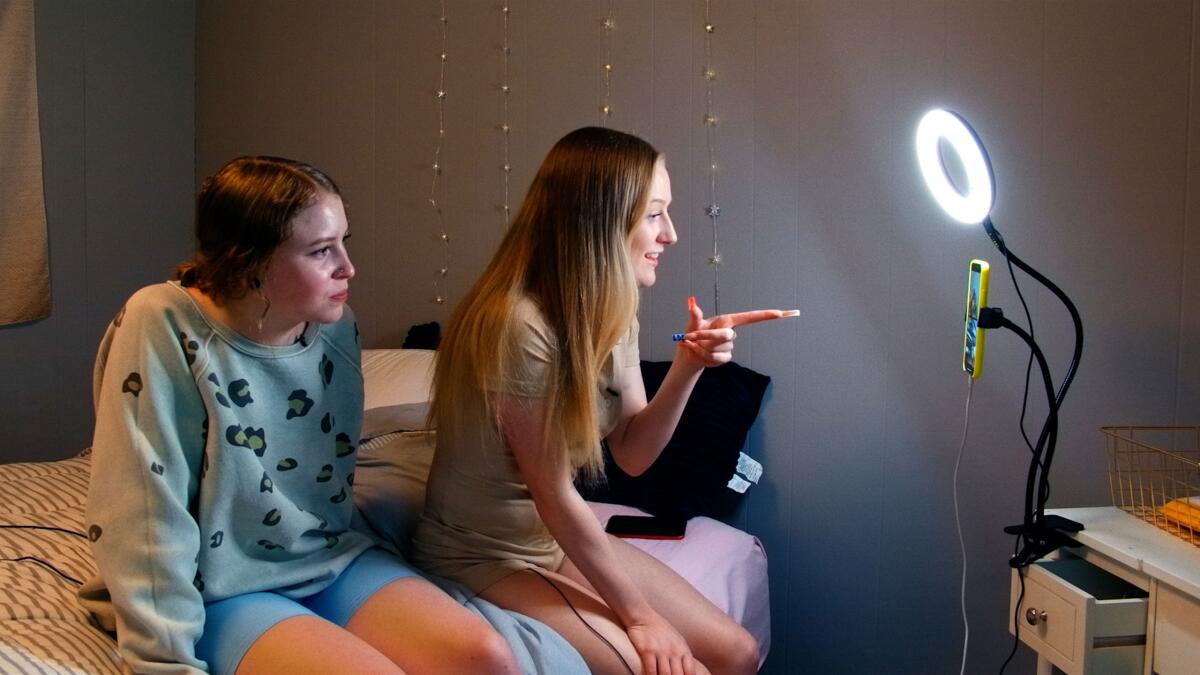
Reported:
(232, 625)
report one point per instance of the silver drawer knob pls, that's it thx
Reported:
(1034, 616)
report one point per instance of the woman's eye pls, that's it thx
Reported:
(652, 216)
(321, 252)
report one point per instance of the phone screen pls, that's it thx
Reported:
(646, 527)
(977, 283)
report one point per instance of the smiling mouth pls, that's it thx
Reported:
(652, 258)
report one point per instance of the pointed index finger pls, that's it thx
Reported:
(745, 318)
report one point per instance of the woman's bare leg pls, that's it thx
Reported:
(716, 640)
(550, 597)
(308, 644)
(419, 627)
(408, 626)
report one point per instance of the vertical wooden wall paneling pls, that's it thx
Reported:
(672, 107)
(1187, 401)
(139, 109)
(778, 440)
(387, 242)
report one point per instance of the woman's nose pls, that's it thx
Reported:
(668, 235)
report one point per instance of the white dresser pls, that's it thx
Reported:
(1127, 600)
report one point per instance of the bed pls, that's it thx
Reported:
(44, 552)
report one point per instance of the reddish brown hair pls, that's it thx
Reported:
(243, 213)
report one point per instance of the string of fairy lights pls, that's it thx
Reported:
(607, 25)
(437, 188)
(505, 128)
(436, 194)
(713, 210)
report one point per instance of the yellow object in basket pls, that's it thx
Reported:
(1184, 511)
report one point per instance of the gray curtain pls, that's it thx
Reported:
(24, 261)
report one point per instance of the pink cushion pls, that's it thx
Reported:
(727, 566)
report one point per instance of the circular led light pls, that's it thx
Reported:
(969, 208)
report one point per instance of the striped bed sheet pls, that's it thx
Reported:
(42, 627)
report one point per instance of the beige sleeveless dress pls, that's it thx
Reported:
(480, 524)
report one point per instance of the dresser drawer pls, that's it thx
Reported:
(1081, 618)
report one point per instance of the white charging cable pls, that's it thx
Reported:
(962, 546)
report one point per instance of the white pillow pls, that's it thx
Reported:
(389, 486)
(397, 387)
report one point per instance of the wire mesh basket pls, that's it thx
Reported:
(1154, 474)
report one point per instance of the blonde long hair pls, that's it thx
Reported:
(567, 250)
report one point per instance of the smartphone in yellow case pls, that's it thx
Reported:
(977, 285)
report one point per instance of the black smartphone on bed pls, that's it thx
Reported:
(647, 527)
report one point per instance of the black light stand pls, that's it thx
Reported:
(1040, 534)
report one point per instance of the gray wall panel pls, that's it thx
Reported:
(115, 87)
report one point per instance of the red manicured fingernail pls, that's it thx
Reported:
(691, 302)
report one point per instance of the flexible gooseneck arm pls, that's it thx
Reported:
(1038, 530)
(993, 317)
(998, 240)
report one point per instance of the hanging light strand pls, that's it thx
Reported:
(505, 88)
(437, 187)
(713, 210)
(607, 25)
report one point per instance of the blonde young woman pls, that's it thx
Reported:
(539, 362)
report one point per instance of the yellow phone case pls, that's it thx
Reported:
(977, 286)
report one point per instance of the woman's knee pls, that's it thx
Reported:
(739, 654)
(482, 649)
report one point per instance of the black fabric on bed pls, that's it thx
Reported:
(691, 475)
(423, 336)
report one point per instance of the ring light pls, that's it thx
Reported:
(969, 208)
(1040, 533)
